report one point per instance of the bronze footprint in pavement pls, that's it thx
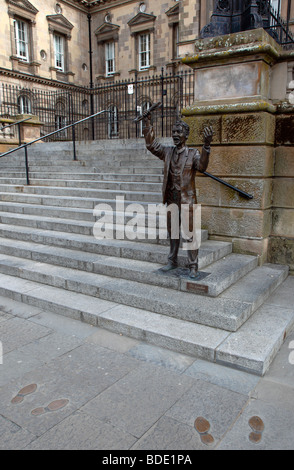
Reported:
(202, 426)
(23, 393)
(257, 426)
(53, 406)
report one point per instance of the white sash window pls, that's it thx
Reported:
(144, 51)
(21, 40)
(109, 58)
(59, 52)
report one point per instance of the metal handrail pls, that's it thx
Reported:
(225, 183)
(26, 145)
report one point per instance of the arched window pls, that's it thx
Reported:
(112, 121)
(60, 119)
(24, 105)
(85, 106)
(146, 105)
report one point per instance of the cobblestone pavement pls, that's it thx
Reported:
(68, 385)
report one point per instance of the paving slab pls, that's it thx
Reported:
(274, 406)
(83, 432)
(16, 332)
(70, 377)
(226, 377)
(162, 357)
(169, 434)
(258, 340)
(34, 354)
(219, 406)
(282, 367)
(12, 436)
(134, 404)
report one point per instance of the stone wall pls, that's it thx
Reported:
(242, 155)
(282, 231)
(72, 21)
(236, 93)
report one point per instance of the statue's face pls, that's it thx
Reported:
(179, 135)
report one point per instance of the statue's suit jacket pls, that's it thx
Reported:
(191, 161)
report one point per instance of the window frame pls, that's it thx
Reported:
(112, 122)
(146, 53)
(24, 104)
(59, 55)
(109, 58)
(21, 28)
(22, 11)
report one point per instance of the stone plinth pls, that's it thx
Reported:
(234, 85)
(8, 135)
(31, 129)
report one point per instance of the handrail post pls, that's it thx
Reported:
(136, 99)
(74, 142)
(19, 133)
(27, 166)
(162, 95)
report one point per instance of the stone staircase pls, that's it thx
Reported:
(49, 258)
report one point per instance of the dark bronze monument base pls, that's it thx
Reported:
(189, 284)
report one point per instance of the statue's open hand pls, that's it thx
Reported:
(208, 135)
(146, 118)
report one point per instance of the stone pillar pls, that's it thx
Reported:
(31, 129)
(282, 234)
(233, 76)
(8, 135)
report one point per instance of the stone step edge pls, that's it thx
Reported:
(20, 176)
(220, 275)
(39, 190)
(152, 235)
(195, 340)
(92, 201)
(225, 313)
(147, 271)
(87, 243)
(72, 183)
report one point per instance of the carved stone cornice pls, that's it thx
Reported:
(106, 32)
(37, 79)
(58, 23)
(22, 8)
(141, 22)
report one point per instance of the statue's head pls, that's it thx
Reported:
(180, 132)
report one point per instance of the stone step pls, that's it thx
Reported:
(63, 201)
(210, 251)
(196, 340)
(142, 231)
(106, 165)
(89, 184)
(88, 256)
(136, 196)
(128, 214)
(229, 311)
(220, 275)
(19, 163)
(251, 348)
(124, 177)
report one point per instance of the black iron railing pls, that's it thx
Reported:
(277, 26)
(125, 99)
(26, 145)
